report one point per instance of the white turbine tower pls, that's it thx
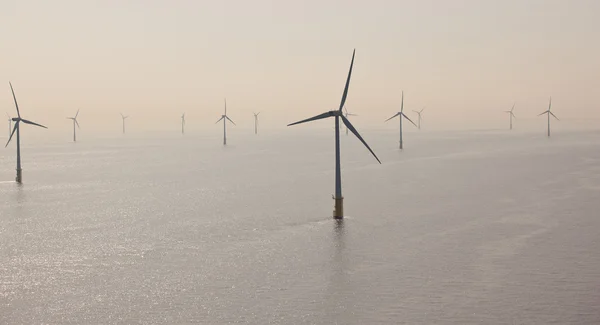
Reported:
(74, 123)
(17, 129)
(419, 113)
(548, 112)
(182, 123)
(224, 117)
(338, 212)
(401, 115)
(347, 114)
(511, 114)
(123, 117)
(256, 122)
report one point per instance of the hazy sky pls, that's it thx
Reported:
(466, 61)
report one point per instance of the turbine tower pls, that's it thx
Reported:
(74, 123)
(9, 124)
(256, 122)
(182, 123)
(419, 113)
(338, 212)
(548, 112)
(401, 115)
(347, 114)
(17, 129)
(123, 117)
(511, 114)
(224, 117)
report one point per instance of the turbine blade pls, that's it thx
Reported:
(353, 130)
(553, 115)
(350, 114)
(225, 105)
(230, 120)
(318, 117)
(15, 98)
(33, 123)
(402, 104)
(513, 114)
(392, 117)
(513, 107)
(123, 116)
(406, 117)
(77, 123)
(550, 104)
(545, 112)
(77, 113)
(422, 110)
(13, 132)
(219, 120)
(347, 82)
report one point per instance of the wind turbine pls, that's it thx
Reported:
(347, 114)
(419, 113)
(256, 122)
(549, 113)
(224, 117)
(123, 117)
(74, 123)
(338, 212)
(9, 124)
(401, 114)
(511, 114)
(17, 128)
(182, 123)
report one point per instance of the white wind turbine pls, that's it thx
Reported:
(17, 129)
(511, 114)
(224, 117)
(419, 113)
(123, 117)
(401, 115)
(74, 123)
(256, 122)
(338, 212)
(347, 114)
(548, 112)
(182, 123)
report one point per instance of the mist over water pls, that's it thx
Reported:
(465, 227)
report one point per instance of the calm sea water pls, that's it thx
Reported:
(459, 228)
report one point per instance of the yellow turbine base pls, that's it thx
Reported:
(338, 210)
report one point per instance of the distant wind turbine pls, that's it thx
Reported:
(548, 112)
(256, 122)
(338, 212)
(74, 123)
(224, 117)
(17, 128)
(347, 114)
(419, 113)
(511, 114)
(123, 117)
(9, 124)
(401, 115)
(182, 123)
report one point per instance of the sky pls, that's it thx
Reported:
(464, 60)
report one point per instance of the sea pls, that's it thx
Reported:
(460, 227)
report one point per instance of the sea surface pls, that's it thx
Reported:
(473, 227)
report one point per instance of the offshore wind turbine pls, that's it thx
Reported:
(401, 115)
(419, 113)
(224, 117)
(511, 114)
(74, 123)
(338, 212)
(123, 117)
(182, 123)
(256, 122)
(548, 112)
(17, 129)
(347, 114)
